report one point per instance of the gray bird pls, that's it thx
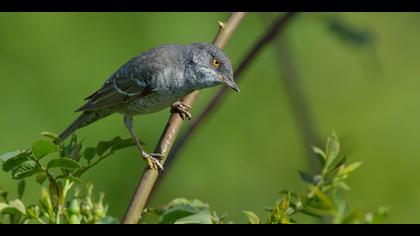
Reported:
(152, 81)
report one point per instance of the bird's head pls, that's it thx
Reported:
(211, 66)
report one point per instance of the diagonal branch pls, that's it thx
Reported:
(299, 104)
(276, 28)
(149, 177)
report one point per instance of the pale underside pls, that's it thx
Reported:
(149, 104)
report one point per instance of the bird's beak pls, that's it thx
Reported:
(231, 83)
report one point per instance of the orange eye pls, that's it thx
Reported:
(216, 63)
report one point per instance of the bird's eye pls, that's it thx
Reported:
(216, 63)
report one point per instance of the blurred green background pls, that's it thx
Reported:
(251, 148)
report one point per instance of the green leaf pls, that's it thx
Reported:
(18, 204)
(332, 150)
(123, 144)
(347, 33)
(172, 215)
(316, 212)
(3, 205)
(26, 169)
(103, 146)
(201, 217)
(50, 135)
(5, 157)
(75, 152)
(113, 145)
(340, 163)
(42, 148)
(320, 154)
(67, 149)
(343, 185)
(307, 178)
(89, 154)
(252, 217)
(11, 211)
(65, 163)
(15, 207)
(26, 174)
(345, 170)
(183, 211)
(21, 188)
(14, 162)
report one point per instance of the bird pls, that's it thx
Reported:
(152, 81)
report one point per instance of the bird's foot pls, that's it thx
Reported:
(153, 160)
(182, 109)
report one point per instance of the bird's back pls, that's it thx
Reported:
(154, 77)
(164, 83)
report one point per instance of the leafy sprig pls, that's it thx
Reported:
(323, 198)
(65, 199)
(57, 167)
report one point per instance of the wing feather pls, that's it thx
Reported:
(132, 80)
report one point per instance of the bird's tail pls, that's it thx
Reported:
(84, 119)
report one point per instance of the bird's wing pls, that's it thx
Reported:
(130, 82)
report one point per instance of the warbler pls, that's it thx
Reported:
(154, 80)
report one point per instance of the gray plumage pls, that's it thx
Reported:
(154, 80)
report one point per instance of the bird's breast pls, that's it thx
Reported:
(168, 87)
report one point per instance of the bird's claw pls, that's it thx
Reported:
(153, 161)
(182, 109)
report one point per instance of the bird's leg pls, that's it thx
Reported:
(182, 109)
(151, 158)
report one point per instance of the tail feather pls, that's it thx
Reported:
(84, 119)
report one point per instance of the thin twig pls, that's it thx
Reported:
(277, 27)
(83, 169)
(148, 179)
(50, 178)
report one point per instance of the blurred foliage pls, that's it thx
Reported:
(71, 161)
(183, 211)
(79, 208)
(347, 33)
(51, 61)
(323, 199)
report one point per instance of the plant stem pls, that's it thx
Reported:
(86, 168)
(62, 200)
(40, 220)
(49, 176)
(148, 179)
